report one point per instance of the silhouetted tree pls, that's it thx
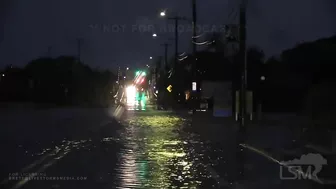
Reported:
(13, 85)
(255, 62)
(320, 107)
(298, 71)
(62, 80)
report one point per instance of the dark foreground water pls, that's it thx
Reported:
(144, 150)
(88, 148)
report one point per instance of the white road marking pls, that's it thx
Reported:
(267, 156)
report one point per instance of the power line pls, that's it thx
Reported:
(182, 54)
(203, 43)
(198, 36)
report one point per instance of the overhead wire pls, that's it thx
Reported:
(183, 58)
(197, 36)
(182, 54)
(203, 43)
(231, 17)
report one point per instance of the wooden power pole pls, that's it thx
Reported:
(242, 94)
(165, 45)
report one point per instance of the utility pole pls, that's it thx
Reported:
(165, 45)
(176, 21)
(242, 56)
(176, 43)
(194, 25)
(242, 96)
(194, 48)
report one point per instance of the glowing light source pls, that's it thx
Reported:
(194, 86)
(130, 95)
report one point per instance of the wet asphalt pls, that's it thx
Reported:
(90, 148)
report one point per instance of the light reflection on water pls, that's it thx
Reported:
(45, 158)
(59, 150)
(155, 154)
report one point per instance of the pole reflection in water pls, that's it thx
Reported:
(129, 169)
(155, 155)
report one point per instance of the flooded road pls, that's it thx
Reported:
(89, 148)
(148, 149)
(158, 154)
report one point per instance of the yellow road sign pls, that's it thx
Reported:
(170, 88)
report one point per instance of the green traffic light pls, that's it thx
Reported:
(137, 96)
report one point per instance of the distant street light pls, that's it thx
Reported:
(163, 13)
(154, 35)
(151, 58)
(263, 78)
(127, 68)
(3, 75)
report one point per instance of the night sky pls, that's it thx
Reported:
(110, 29)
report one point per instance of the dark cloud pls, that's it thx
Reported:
(300, 20)
(29, 27)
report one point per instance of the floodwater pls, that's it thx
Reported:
(143, 149)
(158, 154)
(148, 149)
